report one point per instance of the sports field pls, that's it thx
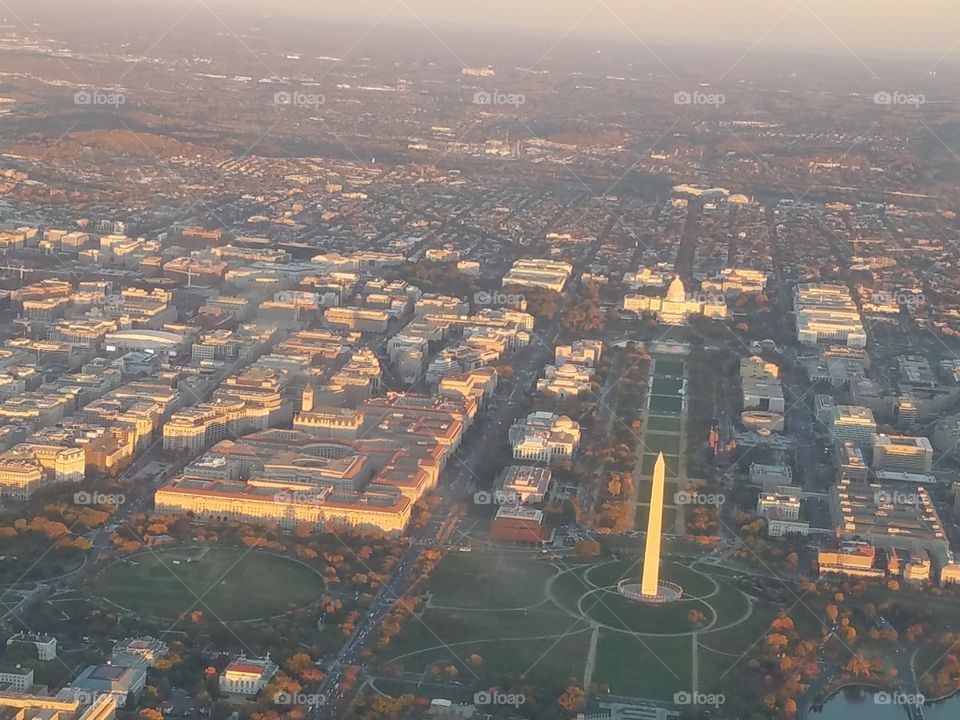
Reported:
(222, 583)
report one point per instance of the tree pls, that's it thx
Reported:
(783, 622)
(505, 371)
(311, 675)
(777, 641)
(587, 548)
(858, 665)
(572, 699)
(298, 663)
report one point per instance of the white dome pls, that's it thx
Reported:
(676, 292)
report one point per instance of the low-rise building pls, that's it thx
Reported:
(770, 476)
(852, 558)
(16, 678)
(582, 352)
(913, 566)
(565, 381)
(44, 645)
(763, 395)
(543, 435)
(247, 676)
(147, 648)
(538, 273)
(518, 524)
(121, 682)
(737, 281)
(359, 319)
(29, 466)
(526, 483)
(780, 504)
(778, 527)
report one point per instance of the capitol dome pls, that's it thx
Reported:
(676, 292)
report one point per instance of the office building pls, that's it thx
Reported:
(902, 453)
(538, 273)
(826, 314)
(854, 423)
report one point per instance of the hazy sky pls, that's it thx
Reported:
(929, 26)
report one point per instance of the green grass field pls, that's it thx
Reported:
(664, 424)
(536, 619)
(547, 646)
(665, 404)
(667, 444)
(668, 368)
(222, 583)
(643, 514)
(643, 667)
(666, 385)
(475, 581)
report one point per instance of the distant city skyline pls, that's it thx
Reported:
(929, 28)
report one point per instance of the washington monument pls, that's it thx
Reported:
(650, 586)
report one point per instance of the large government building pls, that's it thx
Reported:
(676, 307)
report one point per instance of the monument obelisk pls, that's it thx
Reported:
(650, 586)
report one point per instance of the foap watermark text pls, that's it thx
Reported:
(98, 498)
(497, 497)
(886, 97)
(699, 699)
(697, 97)
(485, 297)
(482, 97)
(885, 697)
(296, 98)
(298, 698)
(92, 98)
(685, 497)
(495, 697)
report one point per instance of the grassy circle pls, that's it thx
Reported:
(694, 583)
(221, 583)
(592, 593)
(610, 608)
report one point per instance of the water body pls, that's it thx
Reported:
(856, 703)
(946, 710)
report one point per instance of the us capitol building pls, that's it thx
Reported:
(677, 306)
